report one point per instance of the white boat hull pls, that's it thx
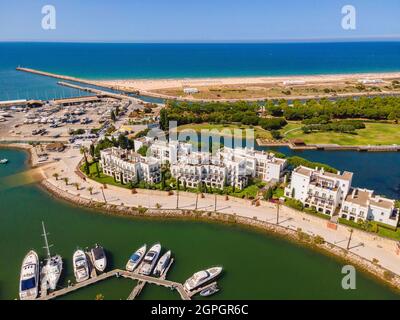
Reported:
(29, 277)
(150, 260)
(136, 259)
(202, 277)
(81, 266)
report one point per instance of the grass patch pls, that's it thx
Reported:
(259, 132)
(101, 177)
(375, 133)
(373, 227)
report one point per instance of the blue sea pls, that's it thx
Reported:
(118, 61)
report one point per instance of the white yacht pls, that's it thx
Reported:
(99, 258)
(150, 259)
(81, 266)
(51, 271)
(162, 264)
(3, 161)
(29, 278)
(202, 277)
(136, 258)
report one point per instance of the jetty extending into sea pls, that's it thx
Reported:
(142, 280)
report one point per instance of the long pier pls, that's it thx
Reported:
(74, 86)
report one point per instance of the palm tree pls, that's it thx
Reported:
(66, 181)
(99, 296)
(77, 185)
(56, 175)
(83, 151)
(90, 189)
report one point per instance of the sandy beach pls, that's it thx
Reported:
(155, 84)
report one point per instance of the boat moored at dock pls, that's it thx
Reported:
(202, 277)
(29, 277)
(162, 264)
(51, 271)
(99, 258)
(81, 266)
(136, 258)
(209, 291)
(150, 260)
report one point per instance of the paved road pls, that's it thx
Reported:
(364, 244)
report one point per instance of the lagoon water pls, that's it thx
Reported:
(258, 266)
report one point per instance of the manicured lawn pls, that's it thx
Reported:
(104, 179)
(374, 134)
(259, 132)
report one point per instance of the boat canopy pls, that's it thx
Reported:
(135, 257)
(28, 284)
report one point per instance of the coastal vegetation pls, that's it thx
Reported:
(349, 121)
(375, 133)
(274, 90)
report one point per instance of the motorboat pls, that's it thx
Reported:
(202, 277)
(162, 264)
(136, 258)
(3, 161)
(99, 258)
(29, 277)
(209, 291)
(150, 259)
(81, 266)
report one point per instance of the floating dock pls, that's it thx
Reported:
(142, 279)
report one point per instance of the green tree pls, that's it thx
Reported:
(83, 151)
(92, 150)
(113, 116)
(268, 194)
(143, 150)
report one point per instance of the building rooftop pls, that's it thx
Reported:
(364, 197)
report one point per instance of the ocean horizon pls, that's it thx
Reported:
(107, 61)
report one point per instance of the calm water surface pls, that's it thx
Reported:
(257, 266)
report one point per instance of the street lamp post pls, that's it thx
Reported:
(177, 193)
(351, 234)
(215, 202)
(277, 212)
(102, 192)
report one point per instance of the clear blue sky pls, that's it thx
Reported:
(197, 21)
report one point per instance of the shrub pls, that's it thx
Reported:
(295, 204)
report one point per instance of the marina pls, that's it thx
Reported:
(209, 245)
(96, 261)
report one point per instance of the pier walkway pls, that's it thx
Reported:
(125, 274)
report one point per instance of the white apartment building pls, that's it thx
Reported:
(259, 164)
(319, 190)
(128, 166)
(211, 171)
(170, 151)
(362, 204)
(228, 167)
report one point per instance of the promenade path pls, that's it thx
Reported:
(364, 244)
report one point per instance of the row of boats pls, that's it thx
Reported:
(144, 262)
(33, 276)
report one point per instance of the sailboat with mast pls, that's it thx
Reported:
(52, 269)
